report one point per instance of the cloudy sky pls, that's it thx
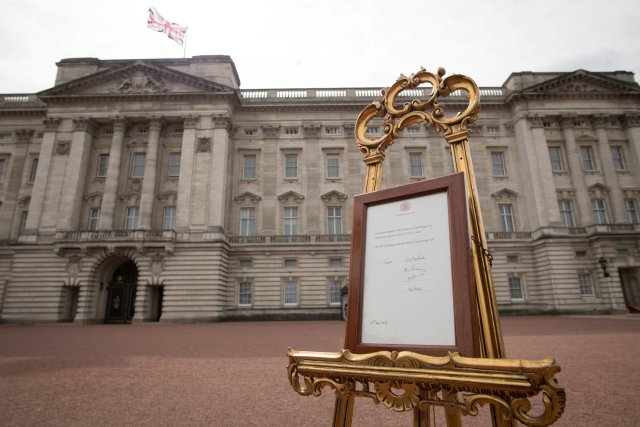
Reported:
(326, 43)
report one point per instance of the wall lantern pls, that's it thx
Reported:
(603, 264)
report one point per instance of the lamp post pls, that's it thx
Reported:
(603, 265)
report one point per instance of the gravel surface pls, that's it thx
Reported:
(233, 374)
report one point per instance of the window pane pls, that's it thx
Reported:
(94, 218)
(335, 291)
(174, 164)
(586, 284)
(244, 293)
(556, 159)
(169, 218)
(515, 288)
(618, 157)
(506, 217)
(632, 211)
(497, 163)
(23, 220)
(290, 263)
(566, 213)
(291, 166)
(2, 163)
(247, 221)
(34, 170)
(103, 165)
(131, 220)
(334, 220)
(586, 153)
(138, 165)
(291, 221)
(249, 167)
(333, 166)
(415, 165)
(290, 292)
(599, 211)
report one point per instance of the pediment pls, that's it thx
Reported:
(136, 78)
(291, 196)
(247, 196)
(93, 199)
(598, 190)
(169, 197)
(334, 195)
(582, 81)
(505, 194)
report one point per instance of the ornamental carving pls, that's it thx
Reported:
(168, 197)
(24, 135)
(348, 129)
(140, 82)
(93, 199)
(24, 201)
(311, 130)
(567, 121)
(598, 190)
(247, 196)
(84, 124)
(120, 124)
(51, 124)
(290, 196)
(600, 121)
(630, 120)
(191, 122)
(222, 121)
(270, 131)
(63, 147)
(204, 145)
(505, 194)
(334, 196)
(566, 194)
(535, 121)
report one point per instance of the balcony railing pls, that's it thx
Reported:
(115, 235)
(290, 239)
(509, 235)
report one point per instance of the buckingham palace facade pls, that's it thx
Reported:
(158, 190)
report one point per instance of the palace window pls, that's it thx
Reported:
(244, 293)
(566, 212)
(169, 218)
(174, 164)
(247, 221)
(618, 158)
(103, 165)
(331, 130)
(497, 164)
(493, 129)
(33, 170)
(335, 291)
(586, 284)
(412, 130)
(291, 166)
(513, 259)
(246, 263)
(599, 211)
(555, 155)
(2, 166)
(249, 166)
(333, 166)
(94, 218)
(632, 211)
(291, 131)
(588, 161)
(505, 211)
(131, 218)
(290, 292)
(415, 165)
(291, 221)
(515, 288)
(138, 165)
(290, 263)
(334, 220)
(335, 262)
(23, 220)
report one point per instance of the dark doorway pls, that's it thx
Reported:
(70, 296)
(630, 280)
(122, 294)
(156, 294)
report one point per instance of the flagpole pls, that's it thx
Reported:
(184, 51)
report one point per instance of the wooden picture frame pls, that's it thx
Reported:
(411, 284)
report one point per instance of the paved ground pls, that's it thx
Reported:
(233, 374)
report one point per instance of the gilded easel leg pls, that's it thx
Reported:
(421, 417)
(451, 413)
(343, 411)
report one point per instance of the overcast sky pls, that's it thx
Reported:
(326, 43)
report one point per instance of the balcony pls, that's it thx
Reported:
(115, 238)
(508, 235)
(290, 239)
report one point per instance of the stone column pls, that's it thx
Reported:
(42, 174)
(183, 204)
(536, 175)
(617, 211)
(148, 193)
(575, 168)
(631, 123)
(75, 174)
(219, 178)
(13, 183)
(107, 209)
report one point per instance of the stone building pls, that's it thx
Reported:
(146, 190)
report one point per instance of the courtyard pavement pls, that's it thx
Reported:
(234, 374)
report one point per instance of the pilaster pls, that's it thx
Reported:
(631, 123)
(575, 168)
(219, 172)
(13, 182)
(617, 211)
(187, 156)
(147, 196)
(107, 209)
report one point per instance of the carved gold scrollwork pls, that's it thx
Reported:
(430, 111)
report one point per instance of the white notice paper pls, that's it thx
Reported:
(408, 289)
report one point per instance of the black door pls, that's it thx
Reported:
(122, 294)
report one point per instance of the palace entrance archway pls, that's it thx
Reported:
(121, 294)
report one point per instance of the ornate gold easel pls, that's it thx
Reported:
(458, 384)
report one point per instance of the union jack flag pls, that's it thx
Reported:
(156, 22)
